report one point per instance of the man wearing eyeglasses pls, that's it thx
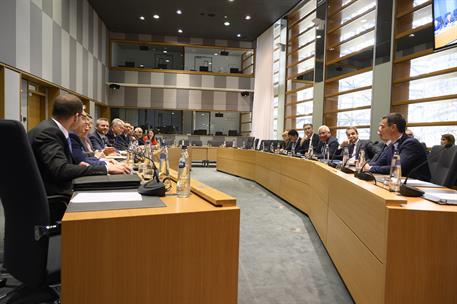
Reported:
(51, 146)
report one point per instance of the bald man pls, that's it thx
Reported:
(326, 138)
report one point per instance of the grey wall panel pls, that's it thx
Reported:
(8, 32)
(56, 53)
(35, 40)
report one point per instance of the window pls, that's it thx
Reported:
(424, 87)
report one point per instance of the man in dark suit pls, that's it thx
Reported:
(52, 148)
(326, 140)
(139, 136)
(412, 154)
(309, 134)
(98, 138)
(355, 145)
(294, 141)
(115, 135)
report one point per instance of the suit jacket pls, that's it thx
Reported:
(360, 145)
(97, 141)
(80, 153)
(54, 159)
(290, 145)
(314, 142)
(117, 141)
(374, 150)
(412, 154)
(332, 147)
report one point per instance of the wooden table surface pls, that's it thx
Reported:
(185, 252)
(387, 248)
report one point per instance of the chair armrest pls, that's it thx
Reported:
(58, 199)
(46, 231)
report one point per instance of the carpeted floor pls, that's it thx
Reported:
(282, 259)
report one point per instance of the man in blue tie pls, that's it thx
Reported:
(412, 153)
(52, 148)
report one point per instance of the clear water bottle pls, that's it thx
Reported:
(361, 161)
(345, 156)
(224, 144)
(272, 147)
(395, 173)
(183, 185)
(293, 147)
(164, 166)
(263, 146)
(244, 145)
(234, 143)
(310, 152)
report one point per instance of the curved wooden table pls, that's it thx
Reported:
(387, 248)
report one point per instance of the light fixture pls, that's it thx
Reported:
(318, 36)
(247, 17)
(216, 54)
(156, 16)
(168, 60)
(226, 23)
(165, 51)
(412, 35)
(141, 65)
(238, 35)
(180, 31)
(142, 18)
(179, 12)
(231, 0)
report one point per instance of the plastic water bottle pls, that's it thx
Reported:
(224, 144)
(244, 145)
(164, 166)
(310, 153)
(234, 143)
(263, 146)
(293, 148)
(345, 156)
(183, 185)
(361, 161)
(395, 173)
(272, 147)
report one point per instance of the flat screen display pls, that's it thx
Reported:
(445, 22)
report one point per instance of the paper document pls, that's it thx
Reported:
(102, 197)
(418, 183)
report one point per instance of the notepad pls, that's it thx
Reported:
(105, 197)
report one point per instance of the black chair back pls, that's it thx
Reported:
(196, 143)
(442, 163)
(25, 204)
(215, 143)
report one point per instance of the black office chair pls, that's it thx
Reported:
(218, 133)
(232, 133)
(215, 143)
(32, 247)
(442, 163)
(197, 143)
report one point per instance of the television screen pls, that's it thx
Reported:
(445, 22)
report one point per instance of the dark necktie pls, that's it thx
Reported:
(69, 144)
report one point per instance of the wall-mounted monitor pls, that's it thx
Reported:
(445, 23)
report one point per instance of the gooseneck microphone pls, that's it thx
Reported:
(411, 191)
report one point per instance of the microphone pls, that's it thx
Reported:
(411, 191)
(366, 176)
(331, 163)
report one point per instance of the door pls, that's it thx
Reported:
(35, 110)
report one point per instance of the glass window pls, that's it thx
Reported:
(357, 44)
(434, 62)
(432, 135)
(300, 121)
(434, 86)
(422, 16)
(361, 25)
(356, 9)
(304, 108)
(356, 81)
(445, 110)
(354, 118)
(305, 94)
(356, 99)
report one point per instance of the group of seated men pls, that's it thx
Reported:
(64, 149)
(394, 138)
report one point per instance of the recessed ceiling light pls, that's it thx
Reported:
(141, 17)
(210, 63)
(156, 16)
(165, 51)
(247, 17)
(238, 35)
(231, 0)
(412, 35)
(168, 60)
(141, 65)
(216, 54)
(179, 12)
(226, 23)
(180, 31)
(318, 36)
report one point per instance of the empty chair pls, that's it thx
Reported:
(196, 143)
(215, 143)
(218, 133)
(232, 133)
(442, 162)
(185, 141)
(31, 254)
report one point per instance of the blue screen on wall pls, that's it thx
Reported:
(445, 22)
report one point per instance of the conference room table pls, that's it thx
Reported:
(386, 247)
(185, 252)
(204, 154)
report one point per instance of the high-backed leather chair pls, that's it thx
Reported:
(442, 162)
(31, 251)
